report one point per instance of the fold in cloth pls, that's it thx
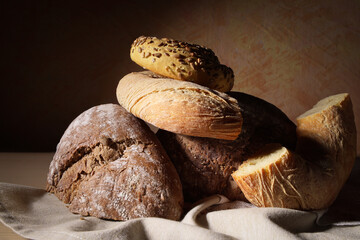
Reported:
(35, 214)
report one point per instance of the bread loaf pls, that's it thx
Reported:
(182, 61)
(109, 164)
(311, 176)
(205, 164)
(178, 106)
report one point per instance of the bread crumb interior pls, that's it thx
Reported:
(324, 104)
(262, 160)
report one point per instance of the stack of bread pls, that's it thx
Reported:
(211, 140)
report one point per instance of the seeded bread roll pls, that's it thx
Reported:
(180, 107)
(311, 177)
(182, 61)
(109, 164)
(205, 165)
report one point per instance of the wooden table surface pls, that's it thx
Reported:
(28, 169)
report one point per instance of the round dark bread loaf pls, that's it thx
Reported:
(205, 165)
(109, 164)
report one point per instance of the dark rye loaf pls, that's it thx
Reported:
(109, 164)
(205, 164)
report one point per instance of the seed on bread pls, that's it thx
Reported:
(198, 62)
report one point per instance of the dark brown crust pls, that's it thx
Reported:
(264, 120)
(205, 165)
(110, 165)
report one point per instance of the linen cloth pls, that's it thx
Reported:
(33, 213)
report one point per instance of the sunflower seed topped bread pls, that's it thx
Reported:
(182, 61)
(179, 106)
(109, 164)
(312, 176)
(205, 165)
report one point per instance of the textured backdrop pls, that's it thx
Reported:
(60, 58)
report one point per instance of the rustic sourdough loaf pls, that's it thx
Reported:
(205, 164)
(182, 61)
(311, 176)
(109, 164)
(180, 106)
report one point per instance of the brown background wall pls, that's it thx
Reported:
(60, 58)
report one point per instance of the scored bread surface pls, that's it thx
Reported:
(179, 106)
(311, 176)
(182, 61)
(109, 164)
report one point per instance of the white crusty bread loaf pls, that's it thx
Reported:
(179, 106)
(182, 61)
(312, 176)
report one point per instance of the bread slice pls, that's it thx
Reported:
(180, 107)
(312, 176)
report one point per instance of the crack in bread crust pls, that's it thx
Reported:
(81, 169)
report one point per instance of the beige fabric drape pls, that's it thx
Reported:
(36, 214)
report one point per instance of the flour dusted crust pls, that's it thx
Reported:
(182, 61)
(311, 176)
(109, 164)
(205, 165)
(179, 106)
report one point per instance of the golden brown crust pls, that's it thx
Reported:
(110, 165)
(311, 177)
(279, 183)
(181, 107)
(182, 61)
